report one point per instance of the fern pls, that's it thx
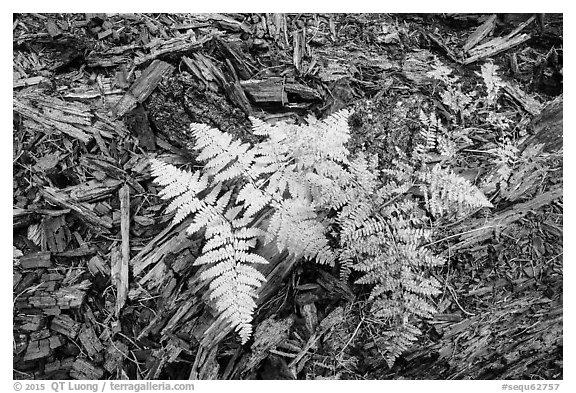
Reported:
(428, 133)
(288, 175)
(296, 177)
(382, 237)
(493, 83)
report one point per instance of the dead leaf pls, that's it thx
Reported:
(47, 162)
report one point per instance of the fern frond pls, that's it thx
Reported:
(225, 158)
(398, 340)
(446, 192)
(181, 185)
(233, 281)
(294, 226)
(428, 133)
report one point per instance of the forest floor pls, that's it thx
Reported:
(103, 284)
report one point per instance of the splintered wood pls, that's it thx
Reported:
(142, 87)
(120, 262)
(63, 199)
(478, 51)
(480, 33)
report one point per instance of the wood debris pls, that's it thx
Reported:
(142, 87)
(480, 33)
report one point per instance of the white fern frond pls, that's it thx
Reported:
(445, 192)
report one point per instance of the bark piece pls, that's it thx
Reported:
(416, 65)
(58, 366)
(205, 366)
(521, 26)
(16, 278)
(51, 114)
(310, 315)
(335, 287)
(97, 265)
(236, 94)
(137, 122)
(83, 369)
(109, 166)
(64, 298)
(29, 323)
(42, 348)
(36, 260)
(228, 23)
(89, 340)
(142, 87)
(205, 71)
(64, 324)
(241, 63)
(82, 251)
(480, 230)
(276, 90)
(93, 190)
(548, 127)
(26, 82)
(80, 209)
(104, 60)
(56, 234)
(527, 102)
